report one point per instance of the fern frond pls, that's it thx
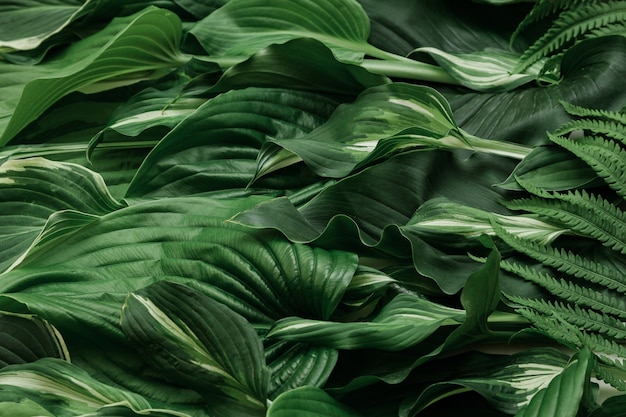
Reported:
(610, 374)
(613, 29)
(543, 9)
(570, 25)
(552, 327)
(613, 353)
(566, 262)
(569, 291)
(609, 129)
(605, 157)
(587, 319)
(595, 113)
(593, 221)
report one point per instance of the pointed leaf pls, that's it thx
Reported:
(26, 338)
(35, 194)
(308, 402)
(242, 27)
(403, 322)
(79, 283)
(198, 342)
(123, 53)
(562, 397)
(27, 24)
(216, 147)
(354, 130)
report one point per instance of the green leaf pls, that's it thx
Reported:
(64, 389)
(507, 382)
(35, 196)
(128, 50)
(25, 24)
(590, 73)
(563, 396)
(551, 168)
(485, 71)
(242, 27)
(198, 342)
(308, 402)
(26, 338)
(234, 126)
(336, 148)
(294, 365)
(403, 322)
(301, 64)
(79, 283)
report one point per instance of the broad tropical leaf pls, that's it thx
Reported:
(130, 49)
(571, 384)
(26, 338)
(198, 342)
(42, 200)
(308, 402)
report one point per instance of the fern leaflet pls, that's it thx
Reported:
(610, 129)
(596, 224)
(569, 291)
(594, 113)
(566, 261)
(543, 9)
(570, 25)
(590, 320)
(605, 157)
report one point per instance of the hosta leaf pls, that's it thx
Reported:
(563, 395)
(129, 49)
(233, 127)
(551, 168)
(403, 322)
(26, 338)
(198, 342)
(33, 194)
(294, 365)
(78, 283)
(64, 389)
(593, 75)
(242, 27)
(354, 130)
(164, 104)
(308, 402)
(25, 24)
(487, 71)
(301, 64)
(507, 382)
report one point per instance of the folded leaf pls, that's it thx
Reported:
(199, 342)
(129, 49)
(42, 200)
(26, 338)
(308, 402)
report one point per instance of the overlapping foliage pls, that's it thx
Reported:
(321, 208)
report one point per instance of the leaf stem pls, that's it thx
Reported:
(409, 69)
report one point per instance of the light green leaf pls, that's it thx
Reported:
(26, 338)
(562, 397)
(242, 27)
(403, 322)
(354, 130)
(507, 382)
(61, 387)
(308, 402)
(35, 196)
(198, 342)
(78, 283)
(486, 71)
(128, 50)
(25, 24)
